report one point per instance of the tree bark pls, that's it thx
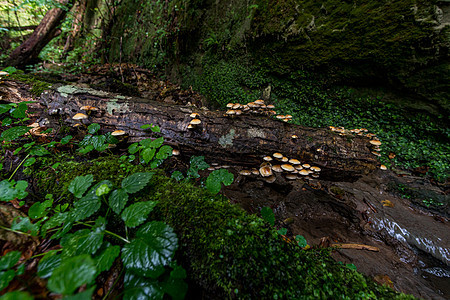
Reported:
(239, 141)
(27, 53)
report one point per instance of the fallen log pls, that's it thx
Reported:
(235, 140)
(356, 246)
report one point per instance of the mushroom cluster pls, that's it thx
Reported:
(278, 163)
(195, 121)
(361, 132)
(255, 107)
(285, 118)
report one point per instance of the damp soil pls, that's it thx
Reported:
(413, 241)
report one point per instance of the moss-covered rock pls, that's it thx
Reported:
(226, 251)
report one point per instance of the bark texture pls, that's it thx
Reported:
(241, 140)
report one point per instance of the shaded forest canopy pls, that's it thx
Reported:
(379, 65)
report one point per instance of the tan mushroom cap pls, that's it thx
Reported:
(294, 136)
(175, 152)
(306, 166)
(270, 106)
(288, 117)
(194, 115)
(259, 102)
(255, 172)
(316, 169)
(270, 179)
(315, 175)
(230, 105)
(376, 153)
(267, 158)
(265, 171)
(277, 168)
(279, 117)
(291, 176)
(236, 106)
(245, 172)
(231, 112)
(298, 167)
(294, 161)
(277, 155)
(286, 120)
(190, 126)
(284, 159)
(89, 108)
(383, 167)
(3, 73)
(79, 116)
(287, 167)
(238, 112)
(117, 132)
(375, 142)
(303, 172)
(195, 122)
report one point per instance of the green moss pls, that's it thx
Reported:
(38, 86)
(226, 251)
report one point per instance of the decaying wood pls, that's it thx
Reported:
(240, 141)
(356, 246)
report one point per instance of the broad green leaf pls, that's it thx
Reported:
(86, 149)
(66, 139)
(13, 133)
(93, 128)
(16, 295)
(151, 250)
(156, 143)
(177, 175)
(156, 163)
(48, 264)
(85, 241)
(98, 141)
(9, 260)
(146, 126)
(5, 278)
(136, 182)
(30, 161)
(178, 272)
(164, 152)
(140, 288)
(268, 215)
(20, 269)
(156, 128)
(136, 214)
(301, 241)
(20, 187)
(39, 209)
(282, 231)
(106, 259)
(4, 108)
(80, 184)
(56, 220)
(7, 191)
(39, 151)
(216, 178)
(145, 142)
(71, 274)
(24, 224)
(147, 154)
(176, 288)
(133, 148)
(20, 111)
(86, 207)
(117, 200)
(86, 295)
(198, 162)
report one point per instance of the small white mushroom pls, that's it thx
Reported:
(195, 122)
(287, 167)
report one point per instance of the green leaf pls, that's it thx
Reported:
(7, 191)
(301, 241)
(133, 148)
(56, 220)
(13, 133)
(136, 182)
(20, 187)
(30, 161)
(106, 259)
(177, 175)
(136, 214)
(16, 295)
(145, 143)
(93, 128)
(156, 143)
(151, 250)
(39, 151)
(146, 126)
(268, 215)
(282, 231)
(24, 224)
(4, 108)
(20, 111)
(86, 295)
(83, 241)
(147, 154)
(98, 141)
(71, 274)
(48, 264)
(5, 278)
(117, 200)
(216, 178)
(156, 128)
(164, 152)
(66, 139)
(86, 149)
(140, 288)
(104, 189)
(9, 260)
(176, 288)
(86, 207)
(196, 163)
(80, 184)
(39, 209)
